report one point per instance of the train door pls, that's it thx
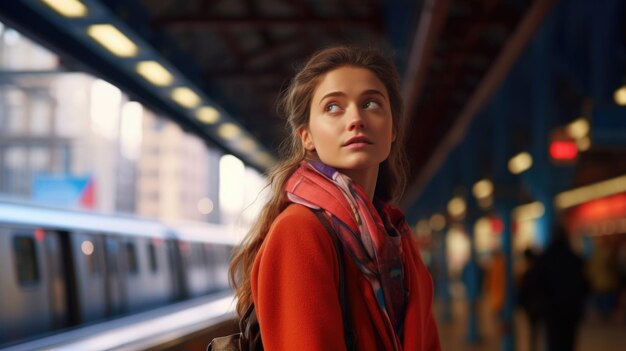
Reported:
(115, 277)
(177, 271)
(24, 303)
(57, 279)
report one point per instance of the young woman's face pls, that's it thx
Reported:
(350, 124)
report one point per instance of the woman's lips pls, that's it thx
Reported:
(357, 142)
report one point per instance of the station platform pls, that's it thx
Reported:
(607, 335)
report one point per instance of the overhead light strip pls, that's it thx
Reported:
(67, 8)
(155, 73)
(185, 97)
(228, 131)
(590, 192)
(113, 40)
(208, 115)
(118, 40)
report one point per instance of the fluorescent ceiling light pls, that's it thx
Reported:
(590, 192)
(482, 189)
(247, 145)
(185, 97)
(154, 73)
(520, 163)
(437, 222)
(228, 131)
(578, 129)
(113, 40)
(208, 115)
(264, 159)
(456, 206)
(620, 96)
(529, 211)
(67, 8)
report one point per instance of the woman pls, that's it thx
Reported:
(345, 157)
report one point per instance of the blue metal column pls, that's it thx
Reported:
(471, 272)
(504, 201)
(540, 178)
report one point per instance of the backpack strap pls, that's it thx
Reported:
(343, 298)
(250, 333)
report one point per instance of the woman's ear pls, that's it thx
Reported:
(306, 138)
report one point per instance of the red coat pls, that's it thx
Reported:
(295, 280)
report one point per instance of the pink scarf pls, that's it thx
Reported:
(373, 240)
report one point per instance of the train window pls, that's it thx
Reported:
(25, 260)
(111, 254)
(196, 254)
(152, 257)
(205, 255)
(131, 255)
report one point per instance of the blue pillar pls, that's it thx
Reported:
(504, 201)
(504, 207)
(471, 272)
(443, 185)
(540, 178)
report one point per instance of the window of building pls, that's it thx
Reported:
(14, 102)
(40, 121)
(196, 254)
(15, 176)
(39, 159)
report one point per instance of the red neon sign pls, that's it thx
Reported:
(563, 150)
(602, 209)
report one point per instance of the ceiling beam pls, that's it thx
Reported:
(491, 81)
(456, 59)
(431, 23)
(190, 22)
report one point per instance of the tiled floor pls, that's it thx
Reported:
(594, 335)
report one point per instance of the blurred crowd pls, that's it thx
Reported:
(561, 286)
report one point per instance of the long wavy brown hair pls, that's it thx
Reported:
(295, 104)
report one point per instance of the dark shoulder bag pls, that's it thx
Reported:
(249, 339)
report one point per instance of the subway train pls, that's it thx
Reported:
(64, 268)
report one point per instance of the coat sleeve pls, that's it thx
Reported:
(295, 286)
(432, 341)
(432, 335)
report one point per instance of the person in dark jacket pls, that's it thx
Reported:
(562, 289)
(529, 299)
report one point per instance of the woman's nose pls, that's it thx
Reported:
(356, 120)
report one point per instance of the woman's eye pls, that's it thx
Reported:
(332, 108)
(371, 104)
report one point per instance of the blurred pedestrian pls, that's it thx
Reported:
(562, 288)
(495, 279)
(603, 272)
(529, 298)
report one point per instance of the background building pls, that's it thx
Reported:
(70, 139)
